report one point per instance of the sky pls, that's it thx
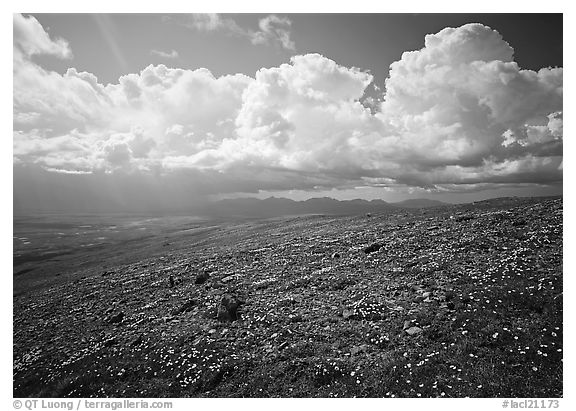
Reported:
(160, 112)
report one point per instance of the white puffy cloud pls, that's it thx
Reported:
(172, 54)
(30, 38)
(210, 22)
(461, 100)
(274, 30)
(458, 111)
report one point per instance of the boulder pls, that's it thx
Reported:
(228, 308)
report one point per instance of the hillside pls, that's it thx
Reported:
(455, 301)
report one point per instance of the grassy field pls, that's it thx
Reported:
(457, 301)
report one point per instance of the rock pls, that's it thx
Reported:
(187, 306)
(136, 341)
(407, 324)
(297, 318)
(115, 319)
(413, 330)
(171, 281)
(229, 278)
(110, 342)
(201, 278)
(358, 349)
(228, 308)
(519, 223)
(346, 313)
(426, 294)
(372, 248)
(336, 255)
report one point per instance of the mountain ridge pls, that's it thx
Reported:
(278, 206)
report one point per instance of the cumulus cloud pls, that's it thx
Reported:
(461, 101)
(459, 111)
(274, 30)
(172, 54)
(211, 22)
(30, 38)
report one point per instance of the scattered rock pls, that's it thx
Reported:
(372, 248)
(229, 278)
(110, 342)
(115, 319)
(136, 341)
(297, 318)
(346, 313)
(413, 330)
(201, 278)
(358, 349)
(187, 306)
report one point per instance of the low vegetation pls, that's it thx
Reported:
(455, 301)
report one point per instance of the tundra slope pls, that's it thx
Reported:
(451, 302)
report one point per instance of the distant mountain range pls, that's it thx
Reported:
(419, 203)
(273, 206)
